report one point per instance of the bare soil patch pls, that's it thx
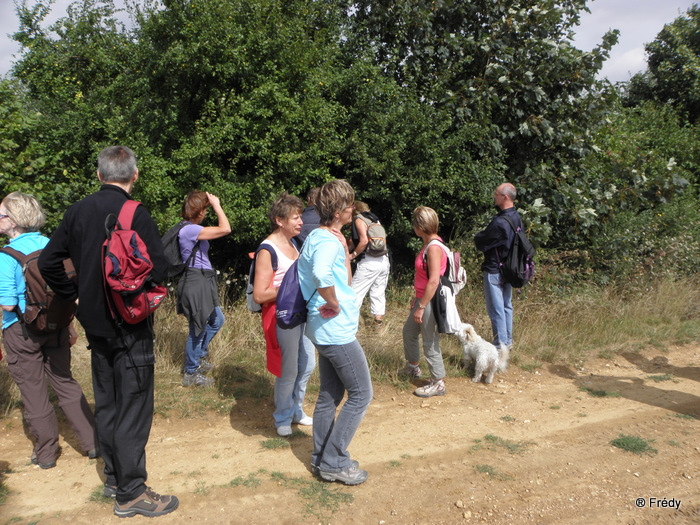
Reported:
(534, 447)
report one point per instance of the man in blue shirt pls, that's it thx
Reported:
(495, 241)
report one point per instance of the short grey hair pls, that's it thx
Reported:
(116, 164)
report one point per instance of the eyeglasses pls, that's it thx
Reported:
(3, 216)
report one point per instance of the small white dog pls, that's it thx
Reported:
(488, 359)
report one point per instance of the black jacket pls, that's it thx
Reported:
(79, 237)
(498, 235)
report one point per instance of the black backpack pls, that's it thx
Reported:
(519, 266)
(44, 311)
(171, 249)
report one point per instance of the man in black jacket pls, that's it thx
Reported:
(122, 357)
(495, 241)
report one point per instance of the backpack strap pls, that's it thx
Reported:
(126, 214)
(273, 254)
(516, 230)
(21, 260)
(445, 250)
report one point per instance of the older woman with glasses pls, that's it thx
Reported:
(32, 357)
(324, 276)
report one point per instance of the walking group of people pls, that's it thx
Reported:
(122, 355)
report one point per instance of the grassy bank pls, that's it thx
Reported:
(566, 328)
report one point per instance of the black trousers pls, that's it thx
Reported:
(122, 379)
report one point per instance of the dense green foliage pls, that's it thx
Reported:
(415, 102)
(673, 75)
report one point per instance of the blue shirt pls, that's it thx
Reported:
(12, 286)
(322, 264)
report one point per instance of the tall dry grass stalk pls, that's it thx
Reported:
(591, 322)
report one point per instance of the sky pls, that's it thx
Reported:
(639, 21)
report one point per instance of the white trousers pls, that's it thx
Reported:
(372, 275)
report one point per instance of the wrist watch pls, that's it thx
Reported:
(421, 306)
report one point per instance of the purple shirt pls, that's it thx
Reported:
(188, 237)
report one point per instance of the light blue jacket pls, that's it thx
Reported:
(11, 280)
(322, 264)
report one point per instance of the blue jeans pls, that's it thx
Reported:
(341, 368)
(197, 345)
(298, 361)
(499, 307)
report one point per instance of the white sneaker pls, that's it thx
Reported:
(305, 421)
(434, 388)
(284, 431)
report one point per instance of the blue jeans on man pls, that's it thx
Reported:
(498, 295)
(197, 345)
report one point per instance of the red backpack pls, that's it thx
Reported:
(131, 295)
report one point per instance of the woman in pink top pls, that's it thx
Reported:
(290, 354)
(421, 321)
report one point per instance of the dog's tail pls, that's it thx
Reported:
(503, 356)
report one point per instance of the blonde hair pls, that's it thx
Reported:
(425, 219)
(360, 207)
(334, 196)
(25, 211)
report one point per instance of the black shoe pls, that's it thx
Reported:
(93, 453)
(50, 464)
(110, 491)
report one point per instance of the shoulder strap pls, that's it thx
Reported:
(273, 254)
(445, 250)
(126, 215)
(510, 222)
(15, 254)
(369, 215)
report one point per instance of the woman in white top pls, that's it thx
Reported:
(290, 354)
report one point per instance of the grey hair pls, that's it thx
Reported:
(116, 164)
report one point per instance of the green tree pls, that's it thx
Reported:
(673, 67)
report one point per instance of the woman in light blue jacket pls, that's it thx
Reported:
(324, 276)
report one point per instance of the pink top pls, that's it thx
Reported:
(421, 280)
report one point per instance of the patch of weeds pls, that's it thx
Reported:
(686, 416)
(510, 446)
(394, 463)
(97, 495)
(599, 393)
(275, 443)
(582, 414)
(674, 443)
(634, 444)
(555, 407)
(659, 378)
(252, 481)
(201, 489)
(215, 456)
(606, 354)
(405, 456)
(321, 499)
(194, 473)
(530, 367)
(492, 472)
(4, 491)
(476, 446)
(508, 419)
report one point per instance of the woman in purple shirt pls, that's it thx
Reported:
(197, 291)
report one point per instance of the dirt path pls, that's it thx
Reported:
(531, 448)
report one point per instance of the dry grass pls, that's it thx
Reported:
(592, 322)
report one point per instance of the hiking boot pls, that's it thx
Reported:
(315, 470)
(148, 504)
(434, 388)
(352, 475)
(35, 461)
(410, 371)
(196, 379)
(205, 366)
(110, 491)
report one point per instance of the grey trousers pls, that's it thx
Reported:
(428, 329)
(31, 362)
